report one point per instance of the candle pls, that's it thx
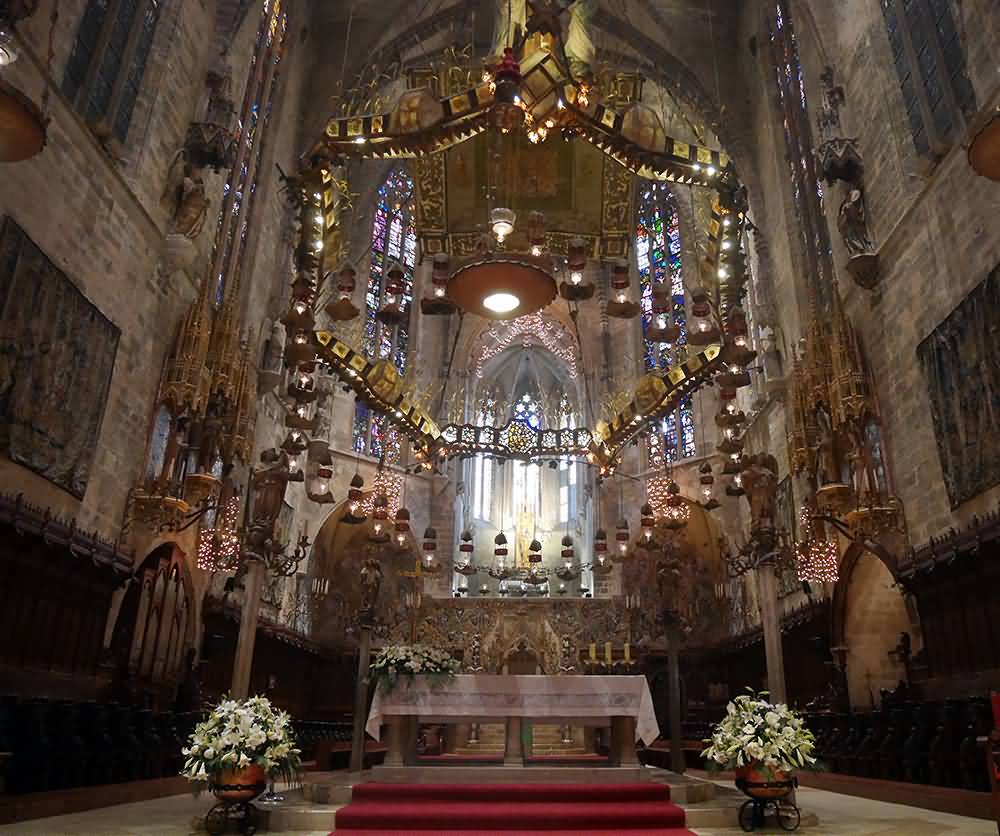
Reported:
(607, 652)
(593, 651)
(628, 653)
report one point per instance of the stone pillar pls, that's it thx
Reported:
(623, 741)
(514, 749)
(767, 597)
(361, 700)
(674, 691)
(248, 628)
(395, 741)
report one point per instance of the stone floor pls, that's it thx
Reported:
(839, 815)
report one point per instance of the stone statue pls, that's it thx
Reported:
(827, 465)
(371, 583)
(760, 480)
(852, 221)
(184, 193)
(268, 486)
(211, 433)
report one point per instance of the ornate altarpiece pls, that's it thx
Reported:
(57, 355)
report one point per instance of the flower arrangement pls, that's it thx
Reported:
(405, 661)
(238, 735)
(755, 731)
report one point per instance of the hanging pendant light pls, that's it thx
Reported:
(355, 494)
(576, 289)
(402, 525)
(438, 303)
(499, 569)
(502, 222)
(535, 552)
(380, 516)
(677, 511)
(646, 523)
(536, 233)
(621, 539)
(620, 306)
(391, 312)
(23, 125)
(707, 481)
(465, 549)
(344, 309)
(507, 113)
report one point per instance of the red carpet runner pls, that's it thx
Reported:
(510, 809)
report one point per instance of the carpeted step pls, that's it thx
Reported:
(660, 831)
(465, 793)
(512, 808)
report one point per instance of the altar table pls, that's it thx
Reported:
(623, 702)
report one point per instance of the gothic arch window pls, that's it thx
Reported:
(240, 190)
(930, 63)
(807, 190)
(482, 479)
(394, 239)
(106, 66)
(658, 259)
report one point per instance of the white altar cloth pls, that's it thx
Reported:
(538, 698)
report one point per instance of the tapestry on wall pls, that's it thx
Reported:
(57, 354)
(962, 369)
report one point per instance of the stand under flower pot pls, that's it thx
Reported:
(768, 795)
(236, 790)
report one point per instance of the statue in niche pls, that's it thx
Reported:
(371, 583)
(852, 221)
(268, 485)
(211, 433)
(760, 480)
(525, 534)
(827, 466)
(185, 194)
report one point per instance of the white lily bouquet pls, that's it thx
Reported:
(405, 661)
(240, 735)
(757, 732)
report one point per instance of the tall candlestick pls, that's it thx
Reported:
(593, 651)
(628, 653)
(607, 652)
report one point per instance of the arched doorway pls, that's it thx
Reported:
(154, 628)
(870, 614)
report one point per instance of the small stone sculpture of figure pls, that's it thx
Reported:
(211, 433)
(827, 467)
(184, 193)
(852, 221)
(760, 480)
(371, 582)
(268, 487)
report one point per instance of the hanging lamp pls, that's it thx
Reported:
(620, 306)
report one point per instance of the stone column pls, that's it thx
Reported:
(767, 597)
(674, 692)
(248, 628)
(623, 741)
(361, 699)
(395, 741)
(514, 749)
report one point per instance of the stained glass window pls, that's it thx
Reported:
(527, 411)
(930, 62)
(807, 190)
(106, 66)
(394, 239)
(240, 188)
(658, 259)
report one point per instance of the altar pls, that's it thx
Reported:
(622, 702)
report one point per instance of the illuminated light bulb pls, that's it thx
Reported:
(726, 244)
(318, 196)
(296, 435)
(301, 339)
(536, 250)
(622, 549)
(318, 246)
(560, 104)
(622, 297)
(576, 277)
(726, 222)
(439, 292)
(569, 565)
(303, 380)
(300, 307)
(661, 321)
(360, 140)
(741, 340)
(696, 167)
(738, 480)
(293, 463)
(706, 492)
(319, 218)
(301, 411)
(378, 528)
(710, 171)
(731, 408)
(517, 100)
(723, 272)
(401, 540)
(549, 123)
(322, 486)
(353, 506)
(702, 325)
(352, 373)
